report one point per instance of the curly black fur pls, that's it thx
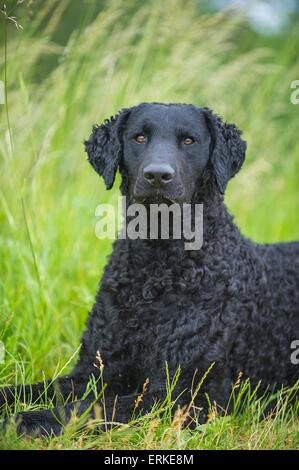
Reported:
(234, 303)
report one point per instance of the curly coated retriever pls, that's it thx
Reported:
(233, 304)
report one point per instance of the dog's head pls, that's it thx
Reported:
(163, 151)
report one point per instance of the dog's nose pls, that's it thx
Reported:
(158, 175)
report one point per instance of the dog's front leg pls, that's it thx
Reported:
(53, 421)
(67, 387)
(49, 422)
(107, 411)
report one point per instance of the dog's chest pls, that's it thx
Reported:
(168, 305)
(167, 314)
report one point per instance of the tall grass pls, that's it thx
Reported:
(50, 259)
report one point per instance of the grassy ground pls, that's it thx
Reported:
(50, 259)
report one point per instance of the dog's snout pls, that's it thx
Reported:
(158, 175)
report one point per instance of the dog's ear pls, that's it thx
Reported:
(227, 149)
(105, 147)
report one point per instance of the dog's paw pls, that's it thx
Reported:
(35, 423)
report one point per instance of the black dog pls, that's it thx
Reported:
(232, 303)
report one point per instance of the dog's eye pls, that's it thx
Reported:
(188, 141)
(140, 138)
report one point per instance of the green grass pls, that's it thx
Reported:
(50, 259)
(164, 427)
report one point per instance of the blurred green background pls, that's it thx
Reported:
(69, 64)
